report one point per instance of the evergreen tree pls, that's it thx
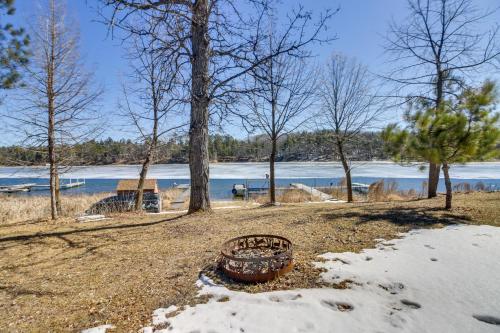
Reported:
(459, 131)
(13, 47)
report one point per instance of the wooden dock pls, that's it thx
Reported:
(34, 186)
(62, 186)
(313, 191)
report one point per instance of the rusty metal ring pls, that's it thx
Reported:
(259, 269)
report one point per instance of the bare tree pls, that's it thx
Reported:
(349, 106)
(282, 91)
(439, 46)
(212, 44)
(156, 111)
(58, 97)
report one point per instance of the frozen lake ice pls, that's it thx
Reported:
(224, 175)
(284, 170)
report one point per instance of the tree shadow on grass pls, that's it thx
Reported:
(417, 217)
(16, 291)
(61, 234)
(80, 247)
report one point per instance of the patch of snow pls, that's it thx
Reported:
(160, 315)
(98, 329)
(399, 289)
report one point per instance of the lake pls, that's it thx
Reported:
(224, 175)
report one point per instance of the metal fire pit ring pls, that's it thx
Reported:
(257, 268)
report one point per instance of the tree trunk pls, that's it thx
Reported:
(140, 185)
(58, 192)
(198, 130)
(52, 162)
(51, 140)
(347, 171)
(151, 149)
(434, 170)
(144, 171)
(272, 181)
(52, 172)
(447, 181)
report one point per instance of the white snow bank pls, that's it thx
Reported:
(445, 280)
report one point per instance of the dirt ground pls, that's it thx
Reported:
(71, 276)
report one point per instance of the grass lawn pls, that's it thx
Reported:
(70, 276)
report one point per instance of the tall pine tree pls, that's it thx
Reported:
(460, 131)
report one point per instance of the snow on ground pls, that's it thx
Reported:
(445, 280)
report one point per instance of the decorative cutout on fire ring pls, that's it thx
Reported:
(256, 258)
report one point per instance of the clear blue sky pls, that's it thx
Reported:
(360, 26)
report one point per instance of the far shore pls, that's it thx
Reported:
(413, 163)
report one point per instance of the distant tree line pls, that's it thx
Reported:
(299, 146)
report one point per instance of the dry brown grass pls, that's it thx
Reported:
(78, 275)
(340, 193)
(169, 195)
(287, 196)
(233, 203)
(15, 208)
(381, 191)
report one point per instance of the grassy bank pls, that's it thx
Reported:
(77, 275)
(17, 208)
(21, 208)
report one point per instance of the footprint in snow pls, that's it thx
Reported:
(434, 259)
(285, 298)
(337, 306)
(411, 304)
(275, 299)
(429, 247)
(393, 288)
(488, 319)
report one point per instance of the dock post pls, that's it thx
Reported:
(246, 190)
